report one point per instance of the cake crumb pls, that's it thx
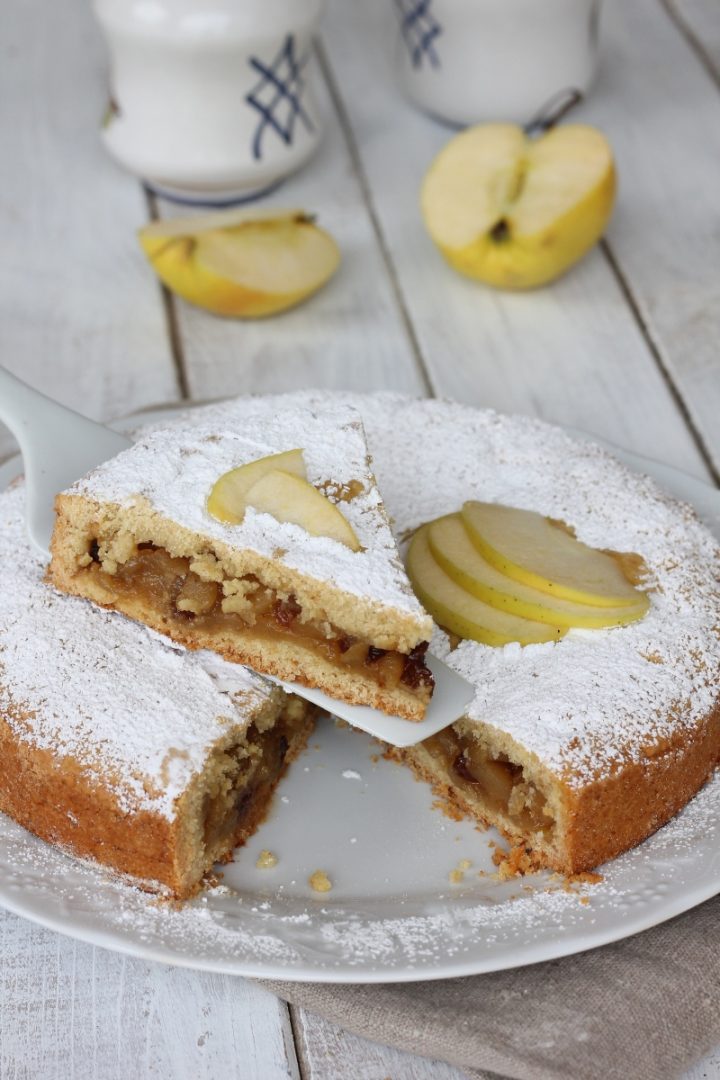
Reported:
(516, 862)
(585, 877)
(266, 860)
(337, 492)
(458, 874)
(447, 808)
(320, 882)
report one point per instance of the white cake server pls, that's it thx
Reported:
(59, 445)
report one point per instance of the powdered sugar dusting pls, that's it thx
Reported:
(597, 696)
(136, 711)
(175, 469)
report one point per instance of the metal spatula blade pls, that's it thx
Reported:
(59, 446)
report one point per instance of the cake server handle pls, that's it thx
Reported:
(58, 446)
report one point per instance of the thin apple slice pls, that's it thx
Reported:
(290, 498)
(529, 548)
(228, 498)
(239, 262)
(462, 613)
(455, 552)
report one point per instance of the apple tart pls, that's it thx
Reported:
(209, 535)
(579, 743)
(118, 745)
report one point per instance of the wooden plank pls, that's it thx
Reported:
(80, 316)
(572, 353)
(661, 109)
(69, 1011)
(698, 20)
(72, 1012)
(349, 336)
(328, 1052)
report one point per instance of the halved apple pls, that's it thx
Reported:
(454, 551)
(290, 498)
(515, 211)
(459, 611)
(246, 263)
(227, 500)
(529, 548)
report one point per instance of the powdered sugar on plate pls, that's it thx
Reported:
(396, 937)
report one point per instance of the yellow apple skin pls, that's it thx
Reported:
(461, 612)
(178, 262)
(586, 576)
(536, 260)
(173, 263)
(455, 553)
(523, 257)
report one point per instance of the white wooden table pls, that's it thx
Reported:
(627, 346)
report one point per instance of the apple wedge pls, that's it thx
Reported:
(459, 611)
(454, 551)
(530, 549)
(239, 262)
(515, 211)
(227, 500)
(290, 498)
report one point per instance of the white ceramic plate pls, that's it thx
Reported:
(392, 914)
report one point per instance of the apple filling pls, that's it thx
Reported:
(498, 783)
(167, 585)
(242, 783)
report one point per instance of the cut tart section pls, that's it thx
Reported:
(121, 747)
(140, 535)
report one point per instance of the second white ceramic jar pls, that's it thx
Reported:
(211, 101)
(467, 61)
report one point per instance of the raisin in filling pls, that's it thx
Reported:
(177, 594)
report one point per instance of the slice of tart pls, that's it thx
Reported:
(263, 537)
(121, 747)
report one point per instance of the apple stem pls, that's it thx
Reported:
(553, 111)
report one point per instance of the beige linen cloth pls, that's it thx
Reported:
(642, 1009)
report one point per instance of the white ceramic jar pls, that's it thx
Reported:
(468, 61)
(211, 100)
